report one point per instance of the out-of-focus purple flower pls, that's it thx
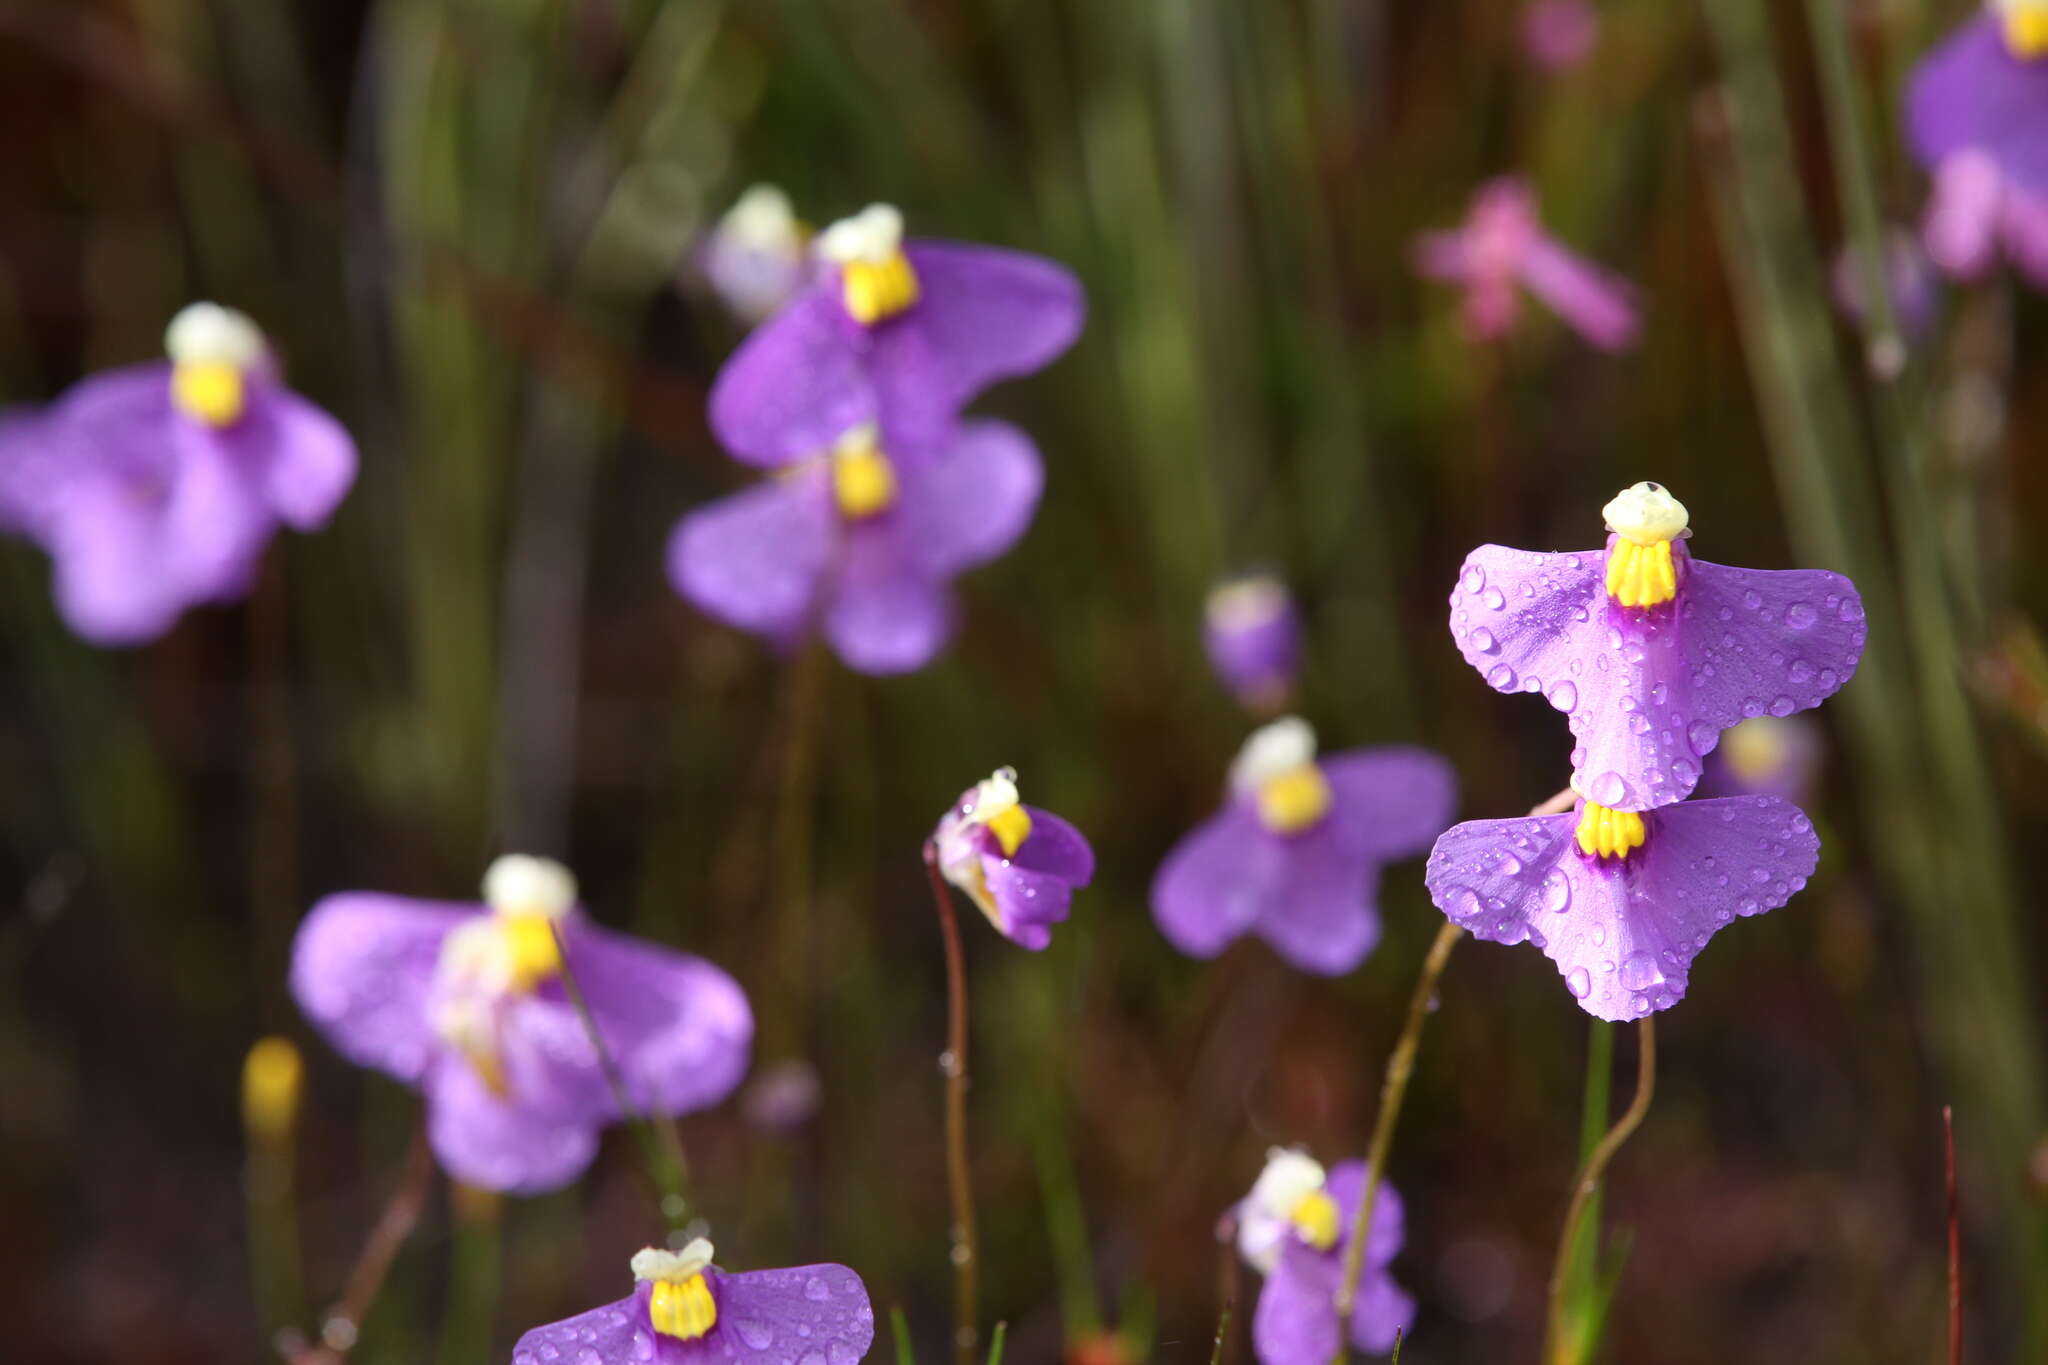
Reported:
(1766, 756)
(1253, 635)
(1974, 113)
(860, 543)
(156, 487)
(1650, 652)
(1502, 249)
(684, 1309)
(1294, 1228)
(783, 1097)
(1294, 856)
(890, 334)
(1621, 901)
(466, 1003)
(1559, 34)
(1915, 293)
(1019, 865)
(757, 257)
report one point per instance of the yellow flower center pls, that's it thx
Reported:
(2026, 28)
(209, 391)
(532, 954)
(876, 291)
(1641, 575)
(1294, 800)
(1605, 833)
(1011, 827)
(1315, 1218)
(863, 480)
(682, 1309)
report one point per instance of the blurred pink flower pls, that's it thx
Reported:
(1501, 245)
(1978, 215)
(1559, 34)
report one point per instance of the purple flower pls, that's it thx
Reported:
(1650, 652)
(1253, 635)
(466, 1003)
(1020, 865)
(1974, 113)
(1559, 34)
(1501, 246)
(1620, 901)
(1293, 1228)
(684, 1309)
(893, 335)
(757, 257)
(860, 543)
(1766, 756)
(1294, 855)
(156, 487)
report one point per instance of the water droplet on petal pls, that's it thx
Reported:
(1557, 889)
(1639, 970)
(1800, 615)
(755, 1333)
(816, 1290)
(1564, 696)
(1579, 983)
(1501, 678)
(1607, 790)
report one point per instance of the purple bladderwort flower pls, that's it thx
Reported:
(893, 335)
(860, 543)
(758, 255)
(1019, 865)
(1766, 756)
(1253, 635)
(1294, 856)
(466, 1003)
(1502, 249)
(1650, 652)
(1293, 1228)
(1557, 35)
(1915, 292)
(685, 1309)
(1974, 113)
(156, 487)
(1621, 901)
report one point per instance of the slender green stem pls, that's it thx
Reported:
(959, 1173)
(1594, 1116)
(474, 1268)
(660, 1146)
(900, 1329)
(1557, 1349)
(995, 1345)
(1222, 1335)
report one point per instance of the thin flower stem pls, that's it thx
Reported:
(342, 1323)
(1226, 1282)
(959, 1175)
(1222, 1335)
(1955, 1240)
(660, 1145)
(1555, 1350)
(1394, 1089)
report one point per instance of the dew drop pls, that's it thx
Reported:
(1579, 983)
(1501, 678)
(1557, 890)
(1564, 695)
(1702, 737)
(1492, 597)
(1483, 641)
(1474, 578)
(816, 1290)
(1608, 789)
(1783, 706)
(1639, 970)
(755, 1333)
(1801, 616)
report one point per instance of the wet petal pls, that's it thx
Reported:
(679, 1027)
(788, 1314)
(1216, 882)
(888, 614)
(611, 1334)
(755, 559)
(1389, 802)
(1970, 92)
(363, 970)
(974, 503)
(1030, 902)
(798, 383)
(1768, 642)
(500, 1144)
(1056, 847)
(1624, 934)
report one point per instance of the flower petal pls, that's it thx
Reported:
(1295, 1322)
(1056, 847)
(755, 560)
(1346, 1185)
(796, 385)
(1216, 882)
(1624, 935)
(307, 459)
(108, 584)
(1322, 916)
(787, 1314)
(1389, 802)
(363, 970)
(1381, 1314)
(983, 314)
(505, 1145)
(887, 615)
(1598, 304)
(679, 1027)
(1029, 902)
(218, 520)
(1970, 92)
(1768, 640)
(974, 503)
(608, 1333)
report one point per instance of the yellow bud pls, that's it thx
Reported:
(209, 391)
(876, 291)
(1605, 833)
(273, 1078)
(1294, 800)
(684, 1311)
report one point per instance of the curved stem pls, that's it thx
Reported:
(1588, 1181)
(959, 1176)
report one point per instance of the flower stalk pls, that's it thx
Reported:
(959, 1173)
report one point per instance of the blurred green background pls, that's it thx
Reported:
(466, 225)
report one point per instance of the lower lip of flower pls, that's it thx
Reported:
(1605, 833)
(209, 391)
(1293, 801)
(875, 291)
